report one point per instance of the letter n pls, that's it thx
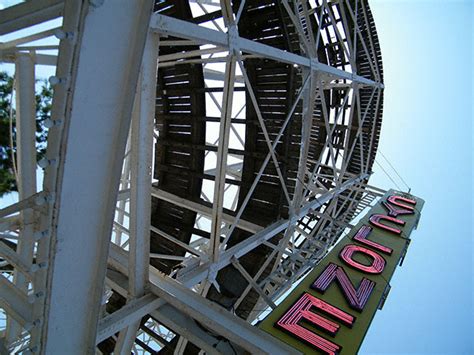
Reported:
(301, 311)
(356, 298)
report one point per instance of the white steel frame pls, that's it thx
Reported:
(87, 231)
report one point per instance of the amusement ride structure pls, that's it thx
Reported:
(202, 157)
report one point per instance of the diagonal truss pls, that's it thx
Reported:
(226, 154)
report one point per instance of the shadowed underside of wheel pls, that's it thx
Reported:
(182, 120)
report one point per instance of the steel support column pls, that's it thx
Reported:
(102, 87)
(140, 187)
(26, 158)
(224, 132)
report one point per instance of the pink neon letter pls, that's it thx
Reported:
(356, 299)
(375, 220)
(394, 201)
(361, 237)
(377, 265)
(302, 310)
(394, 211)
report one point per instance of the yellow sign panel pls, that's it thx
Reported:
(331, 309)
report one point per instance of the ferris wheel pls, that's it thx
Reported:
(203, 156)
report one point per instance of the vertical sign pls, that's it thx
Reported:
(330, 311)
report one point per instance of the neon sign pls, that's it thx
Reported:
(331, 309)
(356, 298)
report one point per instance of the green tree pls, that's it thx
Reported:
(8, 125)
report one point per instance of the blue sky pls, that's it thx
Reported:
(427, 135)
(427, 52)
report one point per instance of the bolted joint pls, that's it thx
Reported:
(61, 34)
(44, 163)
(29, 351)
(48, 123)
(41, 235)
(233, 39)
(33, 298)
(213, 269)
(39, 266)
(54, 80)
(44, 198)
(96, 3)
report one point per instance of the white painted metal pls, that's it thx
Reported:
(171, 26)
(127, 316)
(251, 281)
(27, 39)
(168, 315)
(99, 59)
(29, 14)
(96, 127)
(26, 156)
(217, 318)
(15, 302)
(140, 189)
(224, 131)
(193, 206)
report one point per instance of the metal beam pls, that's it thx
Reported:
(252, 282)
(221, 164)
(16, 260)
(198, 274)
(157, 308)
(118, 260)
(127, 315)
(180, 323)
(212, 74)
(15, 303)
(72, 21)
(29, 13)
(9, 56)
(28, 39)
(204, 210)
(217, 318)
(183, 29)
(26, 157)
(140, 184)
(193, 276)
(84, 246)
(108, 57)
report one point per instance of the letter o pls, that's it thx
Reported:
(378, 262)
